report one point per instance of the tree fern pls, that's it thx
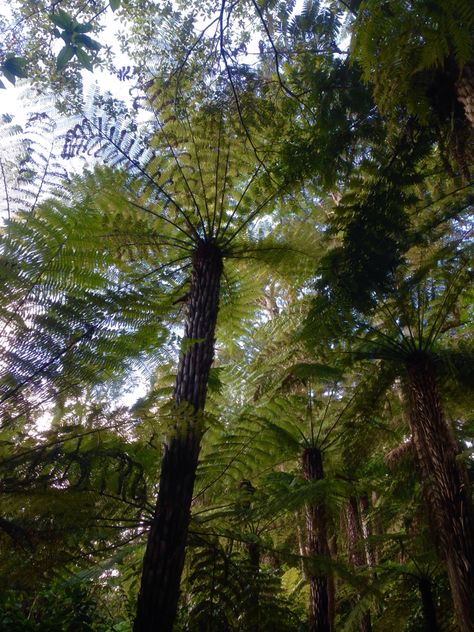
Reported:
(419, 58)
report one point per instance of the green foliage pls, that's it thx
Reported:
(398, 47)
(418, 58)
(12, 68)
(226, 592)
(323, 300)
(77, 43)
(57, 608)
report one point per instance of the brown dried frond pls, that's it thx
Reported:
(403, 452)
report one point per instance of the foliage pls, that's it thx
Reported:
(409, 41)
(347, 247)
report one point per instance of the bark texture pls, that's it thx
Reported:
(465, 92)
(445, 483)
(164, 557)
(316, 545)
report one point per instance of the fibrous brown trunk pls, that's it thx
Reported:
(316, 545)
(357, 549)
(465, 92)
(165, 552)
(445, 483)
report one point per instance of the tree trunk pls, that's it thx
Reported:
(164, 557)
(465, 92)
(445, 483)
(428, 605)
(316, 545)
(356, 550)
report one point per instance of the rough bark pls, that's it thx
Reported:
(316, 545)
(446, 486)
(165, 552)
(356, 549)
(465, 92)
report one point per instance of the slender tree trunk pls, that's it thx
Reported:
(356, 549)
(428, 605)
(164, 557)
(316, 545)
(445, 483)
(465, 92)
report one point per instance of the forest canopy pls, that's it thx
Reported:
(237, 355)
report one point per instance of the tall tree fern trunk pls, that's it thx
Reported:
(446, 485)
(164, 557)
(465, 92)
(316, 545)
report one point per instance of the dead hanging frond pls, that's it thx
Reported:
(405, 452)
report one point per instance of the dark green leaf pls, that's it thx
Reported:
(62, 19)
(83, 28)
(84, 59)
(114, 4)
(88, 42)
(8, 75)
(305, 370)
(65, 55)
(15, 66)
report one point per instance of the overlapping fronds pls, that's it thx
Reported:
(394, 45)
(227, 592)
(194, 169)
(29, 163)
(71, 317)
(84, 483)
(91, 306)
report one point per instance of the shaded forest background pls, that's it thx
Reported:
(271, 238)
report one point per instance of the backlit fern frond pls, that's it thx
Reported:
(71, 316)
(30, 166)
